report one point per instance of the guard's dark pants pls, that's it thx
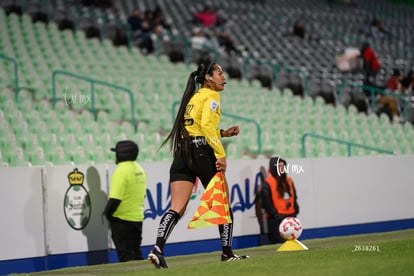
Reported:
(273, 229)
(127, 237)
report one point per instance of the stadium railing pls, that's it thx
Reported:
(340, 141)
(92, 82)
(101, 19)
(373, 92)
(47, 3)
(214, 51)
(16, 74)
(276, 68)
(170, 36)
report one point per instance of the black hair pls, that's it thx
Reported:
(364, 46)
(405, 82)
(281, 178)
(178, 131)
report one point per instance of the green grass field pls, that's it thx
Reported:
(390, 253)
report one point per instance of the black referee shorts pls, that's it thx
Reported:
(202, 165)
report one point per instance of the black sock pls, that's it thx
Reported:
(167, 224)
(226, 236)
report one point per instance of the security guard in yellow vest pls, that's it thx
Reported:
(125, 207)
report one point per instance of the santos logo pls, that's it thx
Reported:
(240, 200)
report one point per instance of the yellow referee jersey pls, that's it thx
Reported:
(202, 118)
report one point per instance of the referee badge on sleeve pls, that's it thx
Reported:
(214, 105)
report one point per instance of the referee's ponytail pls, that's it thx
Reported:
(178, 130)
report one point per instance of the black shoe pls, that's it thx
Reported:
(225, 258)
(156, 258)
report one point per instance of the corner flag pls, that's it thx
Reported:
(214, 207)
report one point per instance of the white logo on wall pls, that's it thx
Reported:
(77, 203)
(290, 168)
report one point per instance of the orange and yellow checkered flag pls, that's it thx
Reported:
(214, 207)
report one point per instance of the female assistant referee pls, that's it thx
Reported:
(198, 152)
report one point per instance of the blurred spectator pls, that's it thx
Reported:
(348, 60)
(135, 20)
(214, 21)
(388, 104)
(200, 45)
(221, 19)
(394, 82)
(159, 21)
(407, 83)
(148, 18)
(378, 29)
(207, 17)
(299, 29)
(370, 65)
(145, 39)
(226, 41)
(199, 40)
(145, 27)
(374, 28)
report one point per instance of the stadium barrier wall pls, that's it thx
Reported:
(51, 216)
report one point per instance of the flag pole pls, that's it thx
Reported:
(226, 188)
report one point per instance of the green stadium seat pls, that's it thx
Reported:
(17, 158)
(3, 157)
(38, 157)
(98, 156)
(162, 154)
(156, 84)
(81, 156)
(10, 142)
(233, 151)
(59, 156)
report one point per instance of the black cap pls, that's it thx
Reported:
(126, 150)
